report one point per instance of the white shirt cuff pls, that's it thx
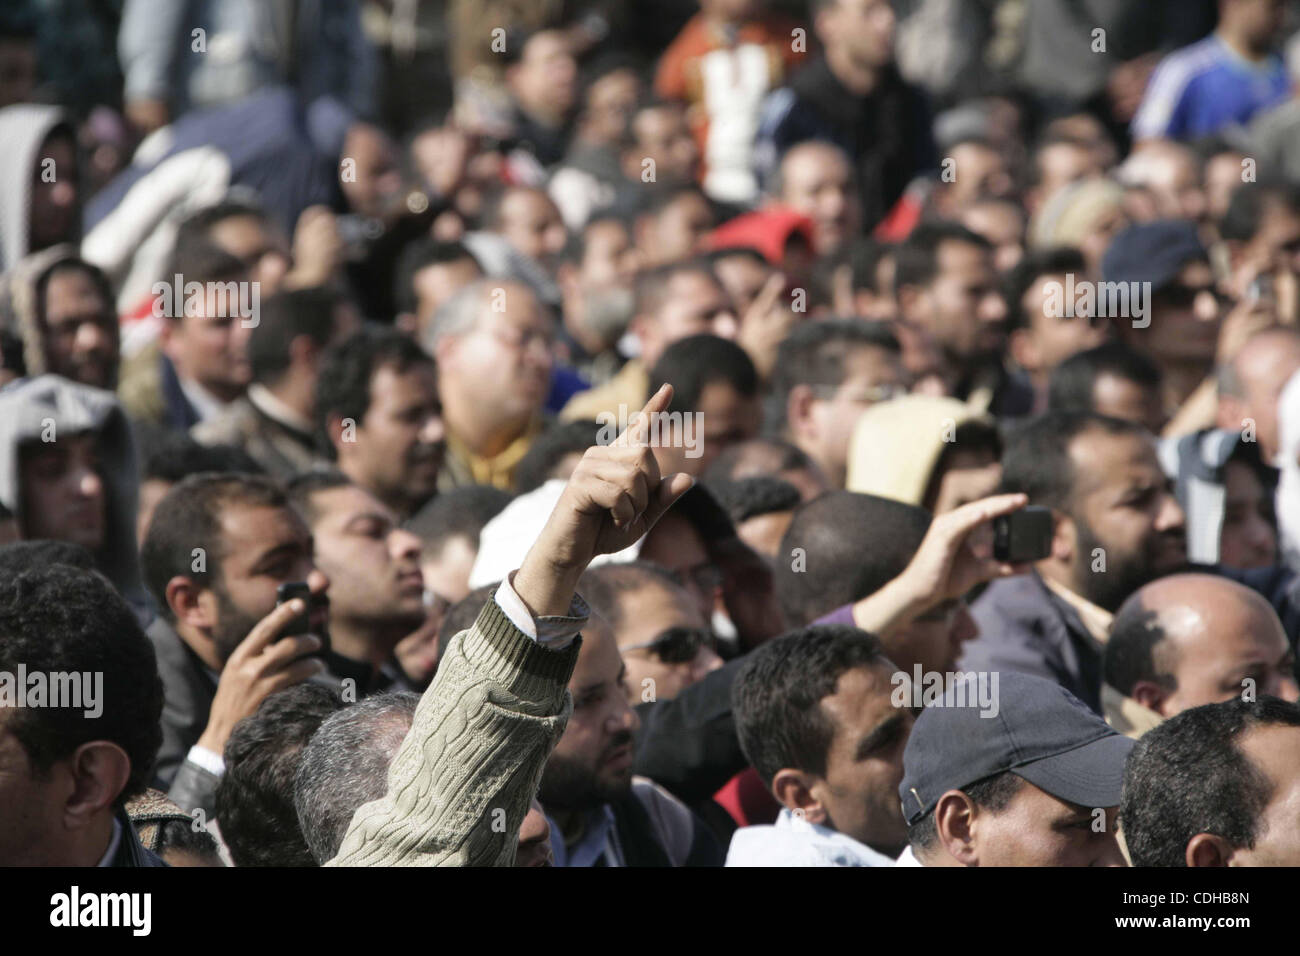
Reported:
(205, 758)
(552, 632)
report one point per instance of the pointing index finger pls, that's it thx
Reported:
(638, 430)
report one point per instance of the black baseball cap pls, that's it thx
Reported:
(1153, 252)
(1039, 731)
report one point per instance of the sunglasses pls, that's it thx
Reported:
(676, 645)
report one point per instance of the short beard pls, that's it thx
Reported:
(1124, 574)
(569, 784)
(233, 624)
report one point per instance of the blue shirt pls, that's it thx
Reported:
(597, 846)
(1202, 88)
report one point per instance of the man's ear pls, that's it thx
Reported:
(185, 599)
(1065, 536)
(793, 789)
(956, 822)
(1150, 695)
(1206, 849)
(99, 771)
(798, 408)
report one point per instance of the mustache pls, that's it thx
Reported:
(621, 739)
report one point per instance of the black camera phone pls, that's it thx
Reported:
(302, 623)
(1023, 536)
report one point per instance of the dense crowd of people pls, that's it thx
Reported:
(587, 433)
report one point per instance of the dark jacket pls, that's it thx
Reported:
(281, 449)
(130, 853)
(688, 745)
(645, 840)
(1024, 627)
(887, 133)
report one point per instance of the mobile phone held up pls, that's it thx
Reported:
(1023, 536)
(301, 624)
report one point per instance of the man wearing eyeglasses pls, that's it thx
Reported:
(664, 641)
(493, 342)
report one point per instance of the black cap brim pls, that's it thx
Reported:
(1087, 776)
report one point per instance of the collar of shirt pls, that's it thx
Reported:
(264, 400)
(832, 843)
(597, 840)
(907, 858)
(206, 405)
(1096, 619)
(498, 470)
(113, 844)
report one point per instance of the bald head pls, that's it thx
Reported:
(1251, 384)
(1192, 639)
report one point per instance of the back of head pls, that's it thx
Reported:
(843, 547)
(345, 765)
(549, 450)
(461, 512)
(1189, 776)
(168, 455)
(1072, 385)
(754, 496)
(255, 797)
(757, 457)
(462, 615)
(692, 364)
(778, 692)
(69, 624)
(285, 317)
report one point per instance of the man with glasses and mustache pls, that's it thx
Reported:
(493, 343)
(664, 641)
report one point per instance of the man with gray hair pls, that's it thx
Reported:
(345, 765)
(492, 341)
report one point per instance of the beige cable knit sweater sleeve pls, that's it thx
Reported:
(463, 778)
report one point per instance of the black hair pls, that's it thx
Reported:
(169, 455)
(343, 388)
(863, 255)
(1072, 383)
(973, 435)
(1247, 208)
(421, 254)
(199, 259)
(189, 517)
(759, 495)
(992, 794)
(19, 556)
(67, 620)
(462, 615)
(302, 488)
(777, 694)
(850, 545)
(814, 354)
(552, 446)
(1036, 461)
(1189, 776)
(726, 467)
(917, 258)
(1037, 263)
(575, 246)
(462, 512)
(1130, 652)
(284, 317)
(697, 361)
(652, 285)
(255, 797)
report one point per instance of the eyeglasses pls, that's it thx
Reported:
(676, 645)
